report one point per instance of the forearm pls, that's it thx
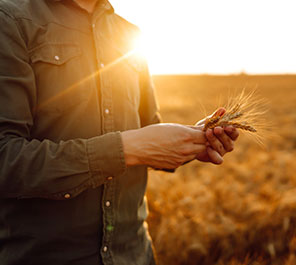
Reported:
(162, 145)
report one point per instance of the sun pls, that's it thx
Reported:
(142, 47)
(217, 37)
(148, 46)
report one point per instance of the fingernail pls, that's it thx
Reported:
(220, 161)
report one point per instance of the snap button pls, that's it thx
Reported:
(107, 111)
(108, 203)
(105, 248)
(67, 196)
(57, 58)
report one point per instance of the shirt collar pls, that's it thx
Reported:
(105, 4)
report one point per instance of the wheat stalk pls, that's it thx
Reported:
(244, 112)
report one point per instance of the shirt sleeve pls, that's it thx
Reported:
(149, 108)
(42, 168)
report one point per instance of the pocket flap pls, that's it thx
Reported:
(53, 53)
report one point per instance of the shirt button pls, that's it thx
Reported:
(105, 248)
(67, 196)
(107, 203)
(109, 178)
(93, 26)
(102, 65)
(107, 6)
(57, 58)
(107, 111)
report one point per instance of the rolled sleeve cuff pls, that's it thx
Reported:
(105, 154)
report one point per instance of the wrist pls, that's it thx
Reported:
(131, 147)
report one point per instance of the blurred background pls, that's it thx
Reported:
(214, 36)
(200, 54)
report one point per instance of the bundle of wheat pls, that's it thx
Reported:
(244, 111)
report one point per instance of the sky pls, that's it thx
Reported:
(215, 36)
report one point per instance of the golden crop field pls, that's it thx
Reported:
(244, 211)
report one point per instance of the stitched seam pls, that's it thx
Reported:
(55, 43)
(16, 23)
(121, 151)
(57, 194)
(51, 22)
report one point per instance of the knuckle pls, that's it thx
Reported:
(220, 148)
(210, 135)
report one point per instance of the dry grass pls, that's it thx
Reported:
(243, 212)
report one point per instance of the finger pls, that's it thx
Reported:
(232, 132)
(226, 141)
(214, 156)
(215, 142)
(203, 156)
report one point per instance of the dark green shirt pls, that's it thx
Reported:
(69, 84)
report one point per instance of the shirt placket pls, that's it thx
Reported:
(108, 199)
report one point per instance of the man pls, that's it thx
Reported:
(75, 105)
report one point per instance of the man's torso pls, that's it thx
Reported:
(85, 86)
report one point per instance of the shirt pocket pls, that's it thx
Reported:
(58, 74)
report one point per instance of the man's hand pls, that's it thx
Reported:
(220, 141)
(163, 145)
(172, 145)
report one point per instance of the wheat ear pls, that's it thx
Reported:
(242, 112)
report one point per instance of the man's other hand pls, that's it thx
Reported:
(220, 141)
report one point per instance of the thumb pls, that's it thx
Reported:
(219, 112)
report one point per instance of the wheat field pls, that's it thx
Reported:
(244, 211)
